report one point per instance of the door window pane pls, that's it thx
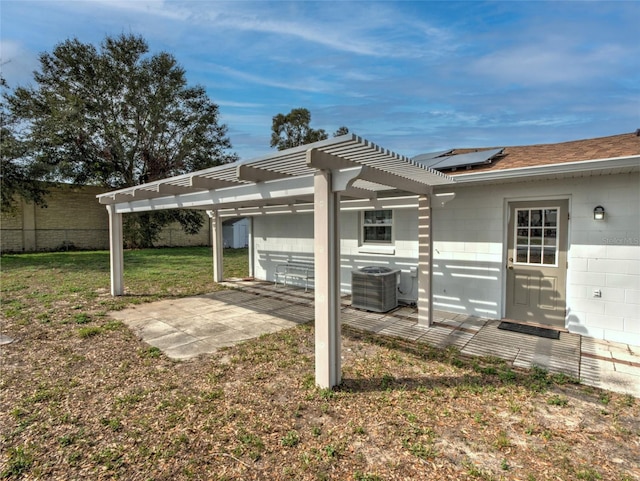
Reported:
(536, 218)
(535, 255)
(536, 228)
(550, 238)
(549, 256)
(536, 237)
(551, 217)
(522, 254)
(523, 218)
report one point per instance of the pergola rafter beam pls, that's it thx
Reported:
(358, 193)
(172, 189)
(146, 193)
(393, 180)
(248, 173)
(201, 182)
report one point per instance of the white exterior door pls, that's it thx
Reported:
(537, 262)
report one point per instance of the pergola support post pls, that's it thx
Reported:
(250, 244)
(327, 281)
(425, 260)
(216, 244)
(116, 251)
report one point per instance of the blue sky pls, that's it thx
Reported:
(410, 76)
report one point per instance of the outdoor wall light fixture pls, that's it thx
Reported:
(598, 213)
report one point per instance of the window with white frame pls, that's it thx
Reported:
(377, 227)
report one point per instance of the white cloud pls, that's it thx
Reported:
(17, 63)
(369, 30)
(231, 103)
(312, 85)
(543, 65)
(556, 121)
(157, 8)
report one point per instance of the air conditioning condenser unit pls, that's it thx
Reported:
(374, 288)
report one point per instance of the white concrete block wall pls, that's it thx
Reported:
(281, 238)
(289, 237)
(602, 256)
(468, 239)
(469, 250)
(605, 256)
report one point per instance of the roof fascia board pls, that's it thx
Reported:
(552, 169)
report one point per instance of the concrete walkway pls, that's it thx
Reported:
(187, 327)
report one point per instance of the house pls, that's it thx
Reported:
(544, 234)
(521, 237)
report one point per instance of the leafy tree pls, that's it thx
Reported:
(116, 116)
(341, 131)
(293, 129)
(15, 175)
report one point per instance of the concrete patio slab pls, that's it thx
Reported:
(154, 328)
(186, 328)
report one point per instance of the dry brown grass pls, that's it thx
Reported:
(82, 398)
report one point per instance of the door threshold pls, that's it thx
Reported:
(535, 324)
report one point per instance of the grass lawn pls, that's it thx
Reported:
(82, 398)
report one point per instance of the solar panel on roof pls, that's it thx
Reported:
(465, 160)
(423, 158)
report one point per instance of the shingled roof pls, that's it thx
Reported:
(623, 145)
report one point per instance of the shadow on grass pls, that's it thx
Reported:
(482, 372)
(475, 383)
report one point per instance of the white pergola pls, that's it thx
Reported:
(345, 172)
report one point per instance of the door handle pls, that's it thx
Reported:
(509, 267)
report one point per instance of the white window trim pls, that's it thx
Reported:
(377, 249)
(370, 247)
